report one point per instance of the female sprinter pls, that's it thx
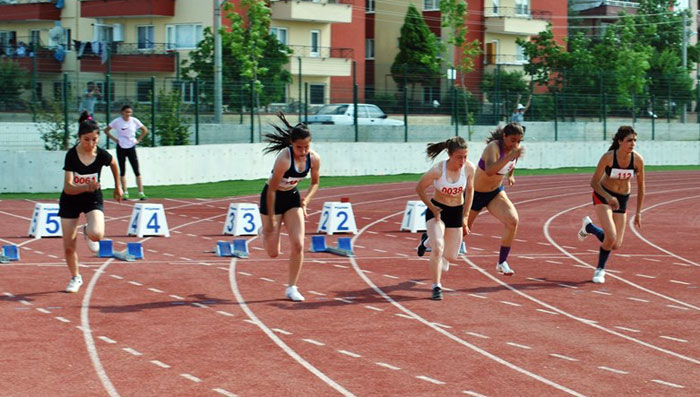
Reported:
(126, 139)
(280, 200)
(498, 162)
(82, 193)
(611, 184)
(446, 216)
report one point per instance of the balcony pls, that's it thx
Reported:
(30, 10)
(321, 61)
(45, 62)
(516, 20)
(127, 8)
(129, 58)
(319, 11)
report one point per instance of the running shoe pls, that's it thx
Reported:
(74, 284)
(293, 294)
(125, 196)
(599, 276)
(421, 246)
(582, 233)
(93, 246)
(504, 269)
(437, 293)
(142, 196)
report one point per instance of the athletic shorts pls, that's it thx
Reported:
(285, 200)
(621, 198)
(481, 199)
(450, 216)
(70, 206)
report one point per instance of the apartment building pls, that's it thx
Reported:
(133, 40)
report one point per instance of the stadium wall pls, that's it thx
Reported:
(41, 171)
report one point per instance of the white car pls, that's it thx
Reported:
(342, 114)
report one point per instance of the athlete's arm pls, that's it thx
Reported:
(144, 132)
(493, 163)
(596, 180)
(117, 194)
(315, 180)
(423, 183)
(468, 196)
(282, 163)
(641, 188)
(72, 189)
(110, 136)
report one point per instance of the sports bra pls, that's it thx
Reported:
(617, 172)
(292, 176)
(506, 168)
(450, 188)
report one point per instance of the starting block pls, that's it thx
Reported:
(414, 216)
(344, 247)
(9, 253)
(133, 251)
(238, 249)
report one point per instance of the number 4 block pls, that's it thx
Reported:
(148, 220)
(337, 217)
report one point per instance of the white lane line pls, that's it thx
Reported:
(156, 290)
(167, 254)
(62, 319)
(637, 299)
(136, 283)
(404, 316)
(269, 280)
(627, 329)
(313, 342)
(681, 264)
(569, 247)
(677, 307)
(317, 293)
(535, 279)
(160, 364)
(390, 276)
(244, 274)
(378, 250)
(601, 292)
(478, 335)
(478, 296)
(132, 351)
(442, 325)
(223, 313)
(203, 306)
(661, 382)
(567, 358)
(117, 277)
(185, 258)
(106, 339)
(567, 286)
(547, 311)
(476, 248)
(340, 266)
(348, 353)
(176, 297)
(510, 303)
(673, 339)
(391, 235)
(651, 259)
(429, 379)
(613, 370)
(343, 300)
(518, 345)
(360, 246)
(224, 392)
(679, 282)
(385, 365)
(644, 275)
(191, 377)
(374, 308)
(249, 321)
(153, 251)
(545, 244)
(281, 331)
(42, 310)
(472, 393)
(53, 256)
(25, 302)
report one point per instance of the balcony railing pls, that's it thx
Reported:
(126, 8)
(130, 57)
(517, 12)
(321, 52)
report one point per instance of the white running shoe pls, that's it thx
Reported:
(293, 294)
(582, 233)
(599, 276)
(93, 246)
(74, 284)
(504, 269)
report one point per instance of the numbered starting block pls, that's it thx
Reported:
(133, 251)
(45, 221)
(238, 248)
(242, 219)
(148, 220)
(462, 248)
(337, 217)
(344, 247)
(414, 216)
(9, 253)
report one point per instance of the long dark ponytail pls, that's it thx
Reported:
(86, 124)
(452, 144)
(282, 138)
(501, 132)
(621, 134)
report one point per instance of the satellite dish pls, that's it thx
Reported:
(56, 33)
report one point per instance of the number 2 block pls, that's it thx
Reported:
(337, 217)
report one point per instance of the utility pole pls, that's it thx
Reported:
(218, 78)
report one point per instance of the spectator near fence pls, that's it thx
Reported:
(89, 98)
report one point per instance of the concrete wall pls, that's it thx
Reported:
(40, 171)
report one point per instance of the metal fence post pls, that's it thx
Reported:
(605, 117)
(66, 131)
(252, 105)
(306, 102)
(153, 111)
(354, 101)
(653, 117)
(556, 116)
(108, 102)
(405, 102)
(196, 111)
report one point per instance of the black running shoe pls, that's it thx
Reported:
(421, 246)
(437, 294)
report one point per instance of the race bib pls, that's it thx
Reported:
(507, 168)
(620, 173)
(289, 182)
(83, 180)
(454, 191)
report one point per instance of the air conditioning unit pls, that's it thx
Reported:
(118, 32)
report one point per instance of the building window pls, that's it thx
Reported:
(495, 6)
(317, 93)
(522, 7)
(183, 37)
(143, 90)
(58, 90)
(145, 37)
(186, 89)
(369, 49)
(58, 36)
(39, 93)
(280, 34)
(103, 32)
(431, 5)
(315, 50)
(369, 6)
(520, 56)
(101, 86)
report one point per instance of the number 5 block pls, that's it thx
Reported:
(337, 217)
(148, 220)
(243, 219)
(45, 221)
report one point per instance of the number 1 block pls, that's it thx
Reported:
(337, 217)
(414, 216)
(148, 220)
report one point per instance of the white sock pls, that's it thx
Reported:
(437, 285)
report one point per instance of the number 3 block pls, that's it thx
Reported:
(45, 221)
(148, 220)
(337, 217)
(243, 219)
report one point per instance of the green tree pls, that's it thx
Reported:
(13, 80)
(418, 52)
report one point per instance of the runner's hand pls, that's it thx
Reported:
(613, 203)
(638, 220)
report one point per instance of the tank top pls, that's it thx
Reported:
(292, 176)
(617, 172)
(451, 188)
(506, 168)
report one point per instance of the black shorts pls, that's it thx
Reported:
(285, 200)
(481, 199)
(122, 155)
(450, 216)
(621, 198)
(70, 206)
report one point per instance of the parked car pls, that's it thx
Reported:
(342, 114)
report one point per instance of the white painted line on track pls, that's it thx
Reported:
(244, 274)
(429, 379)
(677, 307)
(317, 293)
(281, 331)
(117, 277)
(136, 283)
(249, 321)
(106, 339)
(374, 308)
(25, 302)
(601, 293)
(567, 286)
(661, 382)
(269, 280)
(62, 319)
(613, 370)
(679, 282)
(651, 259)
(176, 297)
(224, 392)
(510, 303)
(343, 300)
(160, 364)
(313, 342)
(42, 310)
(535, 279)
(191, 377)
(638, 299)
(223, 313)
(442, 326)
(156, 290)
(673, 339)
(348, 353)
(389, 366)
(478, 296)
(627, 329)
(203, 306)
(567, 358)
(644, 275)
(378, 250)
(132, 351)
(406, 316)
(341, 266)
(547, 311)
(8, 294)
(477, 335)
(472, 393)
(518, 345)
(390, 276)
(681, 264)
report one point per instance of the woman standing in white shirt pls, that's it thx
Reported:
(126, 140)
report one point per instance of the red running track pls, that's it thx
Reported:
(183, 322)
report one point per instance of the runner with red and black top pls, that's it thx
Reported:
(82, 194)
